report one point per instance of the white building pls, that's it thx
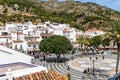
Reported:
(26, 37)
(15, 64)
(94, 32)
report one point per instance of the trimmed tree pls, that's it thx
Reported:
(55, 44)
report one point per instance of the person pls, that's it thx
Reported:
(88, 70)
(96, 58)
(90, 58)
(83, 78)
(85, 71)
(72, 58)
(32, 60)
(68, 68)
(103, 57)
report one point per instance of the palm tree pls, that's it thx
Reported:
(80, 41)
(86, 43)
(114, 34)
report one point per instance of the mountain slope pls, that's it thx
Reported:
(85, 14)
(78, 14)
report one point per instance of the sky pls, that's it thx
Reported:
(113, 4)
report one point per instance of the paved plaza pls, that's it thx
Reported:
(78, 64)
(106, 65)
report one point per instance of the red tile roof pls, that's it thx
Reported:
(18, 41)
(42, 75)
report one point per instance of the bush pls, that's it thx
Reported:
(69, 76)
(115, 53)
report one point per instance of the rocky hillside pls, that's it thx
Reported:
(77, 14)
(85, 14)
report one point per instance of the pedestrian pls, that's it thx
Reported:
(68, 68)
(103, 57)
(88, 70)
(83, 78)
(85, 71)
(72, 58)
(90, 58)
(96, 58)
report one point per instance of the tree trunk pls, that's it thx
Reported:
(81, 47)
(87, 50)
(44, 58)
(118, 57)
(96, 49)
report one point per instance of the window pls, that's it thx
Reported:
(15, 46)
(28, 34)
(29, 45)
(6, 40)
(20, 46)
(34, 46)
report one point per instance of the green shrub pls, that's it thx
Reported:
(69, 76)
(115, 53)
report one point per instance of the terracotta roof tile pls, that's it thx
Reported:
(33, 42)
(5, 36)
(31, 36)
(42, 75)
(18, 41)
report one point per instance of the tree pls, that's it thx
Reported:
(80, 41)
(105, 42)
(95, 42)
(114, 34)
(55, 44)
(86, 42)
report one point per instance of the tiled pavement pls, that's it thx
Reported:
(62, 68)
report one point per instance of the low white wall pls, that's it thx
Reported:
(8, 55)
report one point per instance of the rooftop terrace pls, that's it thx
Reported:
(14, 66)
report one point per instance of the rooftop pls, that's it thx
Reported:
(42, 75)
(14, 66)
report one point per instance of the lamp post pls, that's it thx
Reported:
(93, 66)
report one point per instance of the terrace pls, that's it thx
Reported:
(14, 66)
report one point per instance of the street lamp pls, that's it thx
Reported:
(93, 66)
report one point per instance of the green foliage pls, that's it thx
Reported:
(77, 25)
(92, 18)
(69, 76)
(86, 41)
(73, 50)
(95, 41)
(5, 11)
(105, 42)
(55, 44)
(65, 13)
(16, 18)
(115, 53)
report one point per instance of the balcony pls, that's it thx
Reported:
(33, 49)
(46, 35)
(33, 42)
(5, 36)
(18, 41)
(31, 37)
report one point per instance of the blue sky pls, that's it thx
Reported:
(114, 4)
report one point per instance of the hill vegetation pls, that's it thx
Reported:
(78, 14)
